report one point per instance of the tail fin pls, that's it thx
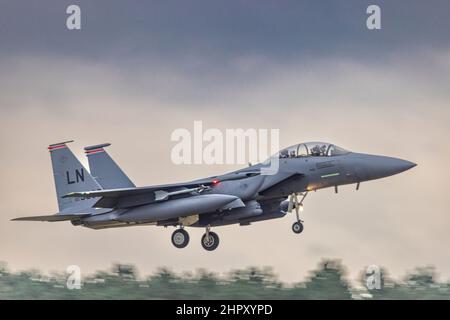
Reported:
(105, 170)
(71, 176)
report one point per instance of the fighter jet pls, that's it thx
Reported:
(106, 198)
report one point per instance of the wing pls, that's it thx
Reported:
(130, 197)
(53, 217)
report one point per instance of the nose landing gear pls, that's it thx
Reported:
(297, 227)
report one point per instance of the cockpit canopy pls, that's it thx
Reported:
(312, 149)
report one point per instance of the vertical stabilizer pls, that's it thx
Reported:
(105, 170)
(71, 176)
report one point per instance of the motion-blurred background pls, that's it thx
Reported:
(138, 70)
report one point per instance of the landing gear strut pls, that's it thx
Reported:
(180, 238)
(297, 227)
(210, 240)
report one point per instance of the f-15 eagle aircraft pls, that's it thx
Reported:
(106, 198)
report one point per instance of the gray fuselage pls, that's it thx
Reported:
(258, 197)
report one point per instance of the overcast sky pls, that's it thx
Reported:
(138, 70)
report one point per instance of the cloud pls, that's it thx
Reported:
(215, 33)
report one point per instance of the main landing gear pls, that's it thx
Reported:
(209, 241)
(297, 227)
(180, 238)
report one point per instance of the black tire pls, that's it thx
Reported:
(213, 242)
(180, 238)
(297, 227)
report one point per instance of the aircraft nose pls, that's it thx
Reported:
(375, 167)
(393, 166)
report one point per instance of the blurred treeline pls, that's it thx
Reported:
(328, 281)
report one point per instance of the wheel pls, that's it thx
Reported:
(210, 243)
(297, 227)
(180, 238)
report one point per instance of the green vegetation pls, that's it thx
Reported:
(327, 282)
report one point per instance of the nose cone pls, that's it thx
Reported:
(393, 165)
(375, 167)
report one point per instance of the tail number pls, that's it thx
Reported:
(76, 177)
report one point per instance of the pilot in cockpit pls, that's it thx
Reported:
(315, 151)
(323, 150)
(292, 154)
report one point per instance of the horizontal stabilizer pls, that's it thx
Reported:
(53, 217)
